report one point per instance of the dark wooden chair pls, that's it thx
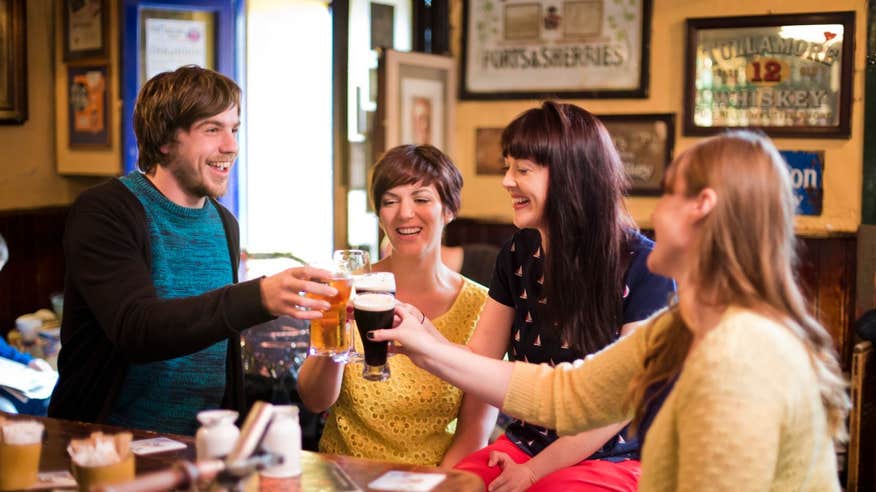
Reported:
(861, 458)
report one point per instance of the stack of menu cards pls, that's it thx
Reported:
(24, 383)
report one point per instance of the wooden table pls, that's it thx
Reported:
(361, 471)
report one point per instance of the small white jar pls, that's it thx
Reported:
(284, 438)
(217, 434)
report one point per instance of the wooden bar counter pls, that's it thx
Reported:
(314, 466)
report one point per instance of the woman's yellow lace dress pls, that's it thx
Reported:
(405, 418)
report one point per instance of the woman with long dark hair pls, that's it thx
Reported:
(564, 286)
(735, 386)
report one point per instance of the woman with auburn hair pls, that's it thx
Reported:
(412, 417)
(752, 394)
(564, 286)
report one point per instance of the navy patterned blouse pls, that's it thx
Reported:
(518, 283)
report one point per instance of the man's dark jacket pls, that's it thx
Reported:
(113, 317)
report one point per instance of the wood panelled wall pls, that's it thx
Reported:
(36, 261)
(827, 272)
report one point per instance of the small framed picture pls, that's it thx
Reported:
(415, 100)
(789, 75)
(86, 26)
(88, 99)
(488, 151)
(645, 143)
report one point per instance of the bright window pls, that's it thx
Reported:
(287, 204)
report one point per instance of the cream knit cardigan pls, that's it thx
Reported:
(745, 414)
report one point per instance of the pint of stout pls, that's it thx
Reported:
(374, 312)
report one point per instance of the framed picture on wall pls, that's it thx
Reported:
(789, 75)
(488, 151)
(525, 49)
(645, 143)
(88, 111)
(172, 38)
(415, 101)
(13, 62)
(86, 27)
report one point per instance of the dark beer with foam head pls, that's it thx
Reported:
(374, 312)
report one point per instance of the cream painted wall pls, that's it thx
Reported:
(28, 175)
(483, 196)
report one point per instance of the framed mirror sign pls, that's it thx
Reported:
(789, 75)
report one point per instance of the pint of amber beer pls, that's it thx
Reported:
(330, 335)
(20, 445)
(19, 464)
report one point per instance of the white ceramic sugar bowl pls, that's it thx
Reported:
(217, 433)
(284, 438)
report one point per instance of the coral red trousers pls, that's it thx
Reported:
(588, 475)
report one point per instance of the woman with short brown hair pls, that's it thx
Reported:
(413, 417)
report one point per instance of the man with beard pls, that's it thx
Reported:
(152, 308)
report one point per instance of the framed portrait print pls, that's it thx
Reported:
(789, 75)
(13, 62)
(88, 111)
(525, 49)
(86, 24)
(645, 143)
(415, 101)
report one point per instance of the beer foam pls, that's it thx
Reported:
(22, 432)
(374, 302)
(375, 282)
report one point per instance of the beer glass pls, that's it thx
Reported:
(355, 262)
(374, 283)
(352, 261)
(374, 312)
(329, 336)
